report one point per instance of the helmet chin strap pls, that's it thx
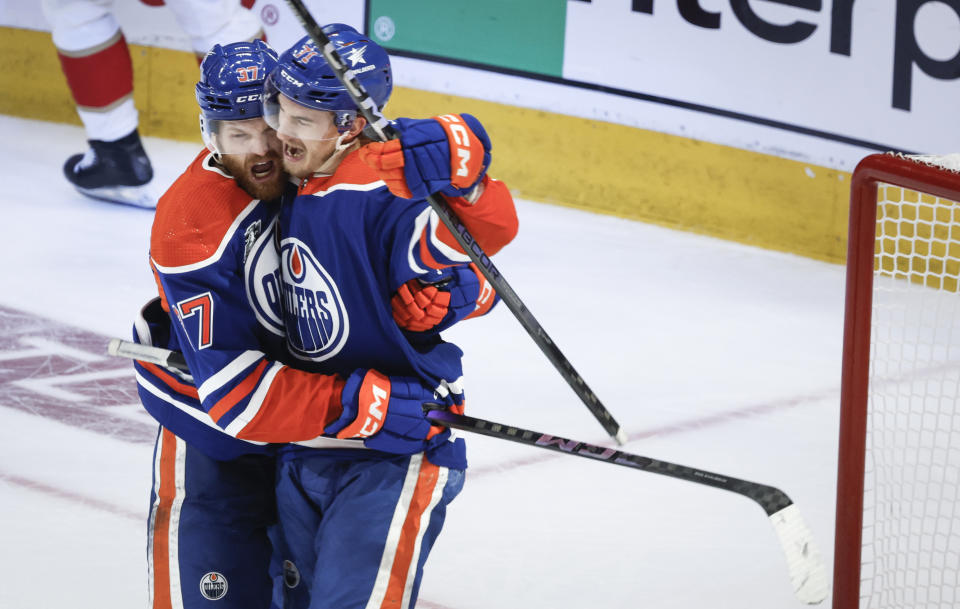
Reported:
(340, 148)
(217, 157)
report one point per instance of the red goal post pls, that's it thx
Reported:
(897, 535)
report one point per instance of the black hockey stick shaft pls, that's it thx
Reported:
(386, 131)
(808, 574)
(771, 499)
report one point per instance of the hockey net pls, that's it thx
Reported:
(898, 487)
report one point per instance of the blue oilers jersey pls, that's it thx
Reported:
(346, 245)
(214, 255)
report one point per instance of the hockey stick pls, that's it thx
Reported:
(386, 131)
(147, 353)
(808, 574)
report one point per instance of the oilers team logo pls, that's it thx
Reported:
(262, 268)
(315, 317)
(213, 586)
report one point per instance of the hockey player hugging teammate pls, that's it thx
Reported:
(314, 322)
(360, 523)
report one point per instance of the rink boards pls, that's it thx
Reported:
(679, 182)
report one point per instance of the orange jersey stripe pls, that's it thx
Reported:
(171, 381)
(242, 390)
(492, 220)
(409, 534)
(161, 527)
(298, 406)
(425, 254)
(350, 171)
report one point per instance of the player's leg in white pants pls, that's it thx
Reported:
(96, 63)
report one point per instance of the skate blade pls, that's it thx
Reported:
(143, 196)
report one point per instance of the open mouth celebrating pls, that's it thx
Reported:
(292, 153)
(263, 170)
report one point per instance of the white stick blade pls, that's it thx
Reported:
(113, 348)
(143, 353)
(808, 574)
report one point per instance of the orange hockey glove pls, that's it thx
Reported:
(461, 292)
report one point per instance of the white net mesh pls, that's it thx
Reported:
(950, 162)
(911, 519)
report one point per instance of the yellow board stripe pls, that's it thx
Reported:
(673, 181)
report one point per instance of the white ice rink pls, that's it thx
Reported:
(710, 354)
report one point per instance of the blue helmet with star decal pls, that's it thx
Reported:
(303, 75)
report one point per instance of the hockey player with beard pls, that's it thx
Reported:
(212, 497)
(360, 524)
(214, 257)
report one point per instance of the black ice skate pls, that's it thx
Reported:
(118, 172)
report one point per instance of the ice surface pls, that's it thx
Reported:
(710, 354)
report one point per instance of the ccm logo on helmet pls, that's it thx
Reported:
(461, 139)
(290, 79)
(248, 98)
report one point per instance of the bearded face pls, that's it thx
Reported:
(251, 153)
(261, 176)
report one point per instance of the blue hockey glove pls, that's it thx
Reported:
(386, 412)
(448, 154)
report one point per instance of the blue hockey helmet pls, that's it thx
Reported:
(231, 87)
(304, 76)
(231, 80)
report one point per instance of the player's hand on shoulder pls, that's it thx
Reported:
(387, 412)
(434, 304)
(446, 154)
